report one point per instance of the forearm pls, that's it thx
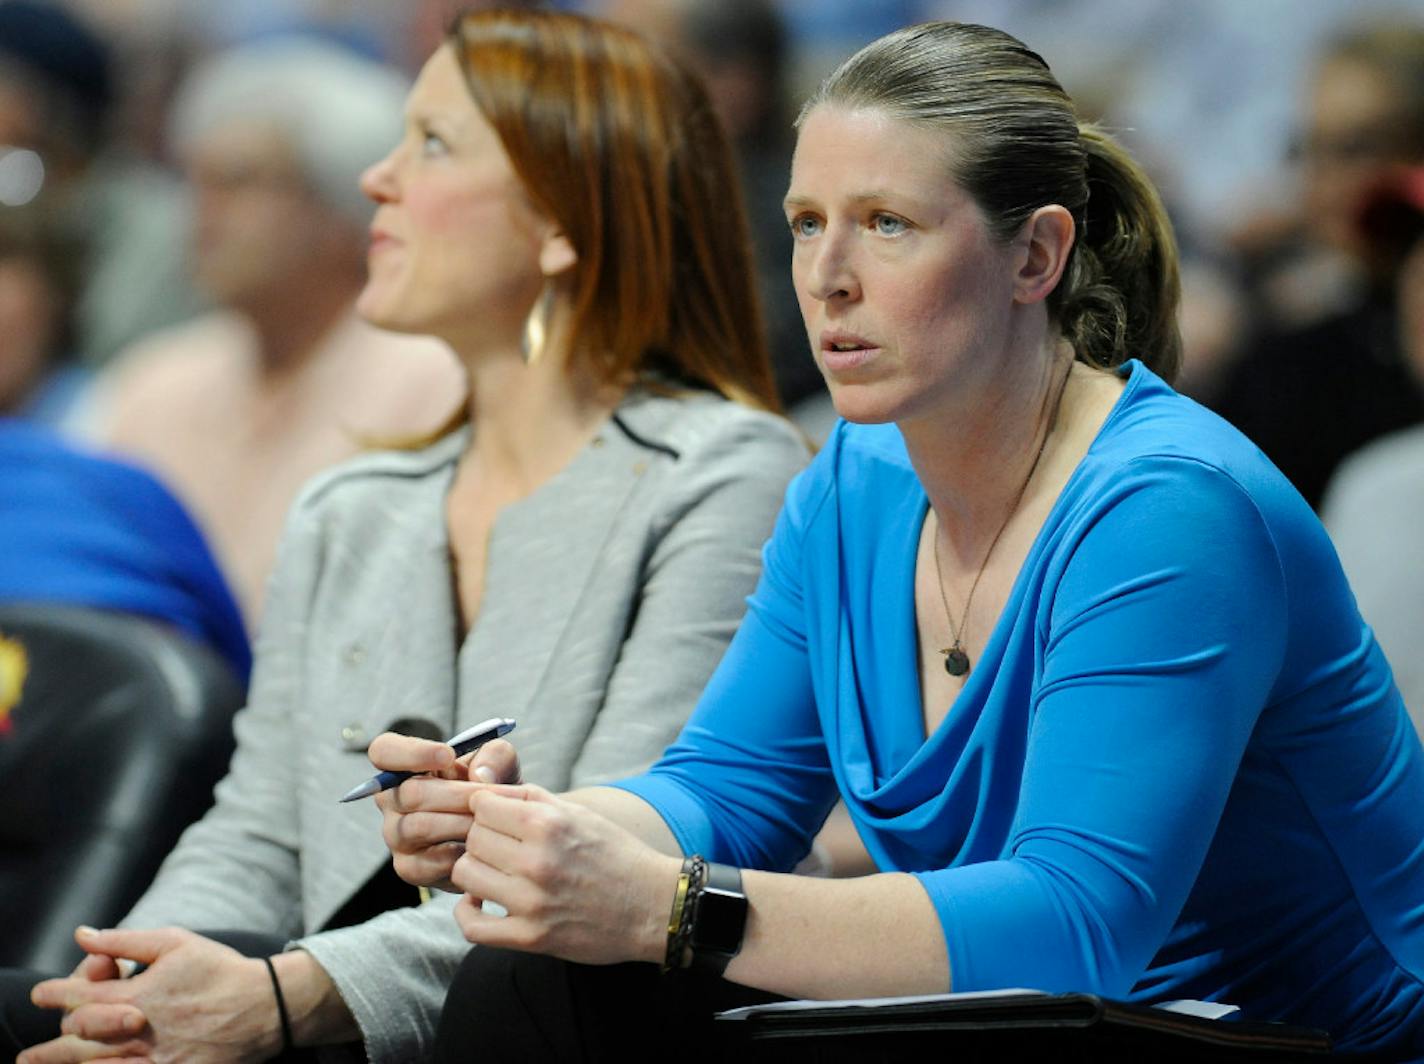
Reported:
(874, 936)
(631, 813)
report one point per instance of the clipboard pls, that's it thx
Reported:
(1008, 1025)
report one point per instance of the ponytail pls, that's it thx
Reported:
(1118, 299)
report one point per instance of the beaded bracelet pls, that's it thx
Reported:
(689, 885)
(286, 1020)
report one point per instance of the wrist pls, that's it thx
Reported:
(317, 1012)
(267, 1039)
(719, 918)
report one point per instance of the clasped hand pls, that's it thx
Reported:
(572, 883)
(196, 1001)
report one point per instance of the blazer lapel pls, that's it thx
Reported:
(543, 552)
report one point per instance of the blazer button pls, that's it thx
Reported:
(353, 737)
(355, 654)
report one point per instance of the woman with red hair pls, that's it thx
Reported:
(573, 553)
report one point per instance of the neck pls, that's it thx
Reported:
(528, 421)
(976, 460)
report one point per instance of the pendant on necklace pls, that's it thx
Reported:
(956, 662)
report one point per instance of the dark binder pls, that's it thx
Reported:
(1012, 1026)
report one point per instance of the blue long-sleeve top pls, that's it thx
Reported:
(1180, 768)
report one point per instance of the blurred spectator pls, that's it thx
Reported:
(1375, 507)
(1310, 395)
(740, 50)
(56, 92)
(238, 408)
(1364, 114)
(89, 531)
(38, 378)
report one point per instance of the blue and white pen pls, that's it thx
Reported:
(467, 740)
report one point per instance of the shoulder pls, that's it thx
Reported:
(57, 473)
(379, 471)
(698, 442)
(1171, 480)
(204, 341)
(701, 425)
(379, 368)
(1154, 429)
(195, 362)
(379, 487)
(65, 503)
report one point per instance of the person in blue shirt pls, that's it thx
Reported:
(1079, 661)
(84, 529)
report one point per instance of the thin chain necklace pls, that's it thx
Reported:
(956, 659)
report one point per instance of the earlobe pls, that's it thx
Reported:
(556, 254)
(1047, 238)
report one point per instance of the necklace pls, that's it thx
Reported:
(956, 659)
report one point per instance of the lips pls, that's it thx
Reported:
(380, 240)
(842, 351)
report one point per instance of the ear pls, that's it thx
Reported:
(1043, 243)
(556, 254)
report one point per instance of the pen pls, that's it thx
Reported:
(467, 740)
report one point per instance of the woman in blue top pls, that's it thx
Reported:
(1081, 664)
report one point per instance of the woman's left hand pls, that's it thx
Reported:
(575, 885)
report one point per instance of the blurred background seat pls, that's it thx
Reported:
(121, 730)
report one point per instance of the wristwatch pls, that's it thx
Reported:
(719, 919)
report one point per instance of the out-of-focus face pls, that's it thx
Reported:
(1353, 135)
(1410, 290)
(28, 311)
(455, 242)
(258, 229)
(905, 292)
(20, 119)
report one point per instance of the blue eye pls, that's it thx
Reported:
(432, 144)
(804, 226)
(888, 225)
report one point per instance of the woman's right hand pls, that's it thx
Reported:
(426, 819)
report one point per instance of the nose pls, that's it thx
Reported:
(830, 276)
(378, 180)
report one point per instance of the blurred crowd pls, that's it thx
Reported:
(182, 232)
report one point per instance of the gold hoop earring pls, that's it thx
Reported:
(536, 327)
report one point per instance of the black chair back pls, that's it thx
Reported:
(122, 729)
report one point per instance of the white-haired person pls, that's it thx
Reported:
(562, 209)
(239, 407)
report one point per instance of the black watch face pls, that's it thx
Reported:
(721, 918)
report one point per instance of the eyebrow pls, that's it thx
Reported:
(423, 114)
(869, 196)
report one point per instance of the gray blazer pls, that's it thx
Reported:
(611, 593)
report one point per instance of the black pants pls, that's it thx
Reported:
(509, 1006)
(23, 1025)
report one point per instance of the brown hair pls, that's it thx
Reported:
(1017, 146)
(619, 146)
